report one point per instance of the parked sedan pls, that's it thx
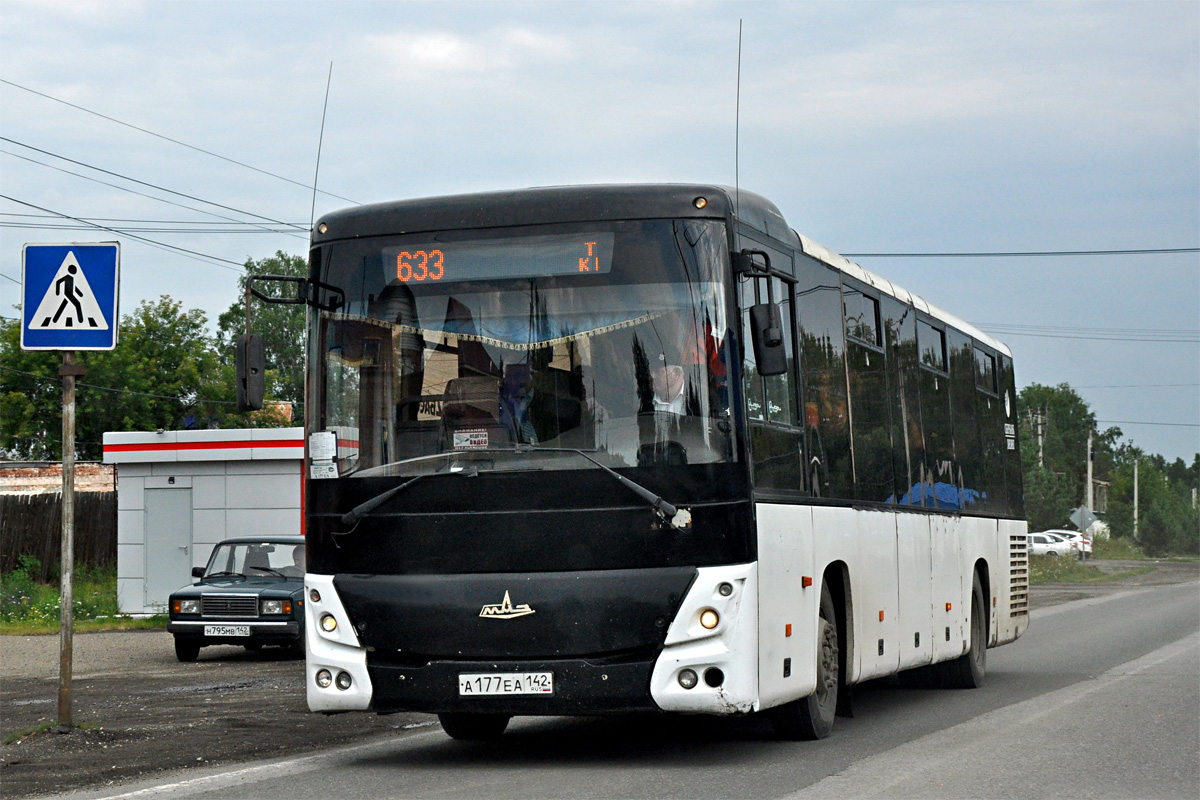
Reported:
(1047, 544)
(250, 594)
(1077, 540)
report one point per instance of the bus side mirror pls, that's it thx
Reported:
(770, 356)
(250, 362)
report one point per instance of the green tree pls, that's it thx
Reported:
(1056, 471)
(1167, 522)
(164, 373)
(281, 326)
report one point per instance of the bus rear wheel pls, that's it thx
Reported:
(812, 717)
(474, 727)
(968, 670)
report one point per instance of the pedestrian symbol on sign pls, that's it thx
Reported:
(69, 302)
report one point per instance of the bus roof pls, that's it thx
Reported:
(559, 204)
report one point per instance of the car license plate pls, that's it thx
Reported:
(506, 683)
(226, 630)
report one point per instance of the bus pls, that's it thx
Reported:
(613, 449)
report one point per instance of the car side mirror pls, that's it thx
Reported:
(197, 572)
(770, 356)
(251, 364)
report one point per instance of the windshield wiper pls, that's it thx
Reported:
(674, 516)
(271, 570)
(224, 575)
(363, 509)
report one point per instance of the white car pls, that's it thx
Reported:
(1047, 544)
(1076, 539)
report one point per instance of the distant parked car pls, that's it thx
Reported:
(1047, 544)
(1077, 540)
(250, 594)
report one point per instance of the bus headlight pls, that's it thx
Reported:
(324, 678)
(328, 623)
(709, 619)
(688, 678)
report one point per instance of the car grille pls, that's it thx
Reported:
(229, 605)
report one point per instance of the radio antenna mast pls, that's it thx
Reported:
(320, 140)
(737, 112)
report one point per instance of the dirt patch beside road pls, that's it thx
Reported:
(145, 712)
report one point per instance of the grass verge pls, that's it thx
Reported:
(1048, 569)
(29, 607)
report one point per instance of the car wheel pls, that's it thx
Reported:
(812, 717)
(1052, 553)
(187, 650)
(474, 727)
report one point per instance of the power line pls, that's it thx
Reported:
(131, 191)
(1163, 335)
(198, 400)
(174, 141)
(1031, 254)
(144, 221)
(141, 182)
(1138, 386)
(160, 245)
(1168, 424)
(14, 280)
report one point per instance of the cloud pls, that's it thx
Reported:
(441, 52)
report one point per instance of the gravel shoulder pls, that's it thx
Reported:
(142, 712)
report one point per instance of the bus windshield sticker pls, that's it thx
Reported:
(474, 439)
(519, 257)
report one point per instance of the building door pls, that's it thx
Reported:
(168, 543)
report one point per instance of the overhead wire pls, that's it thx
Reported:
(139, 194)
(175, 141)
(215, 260)
(1030, 253)
(144, 183)
(196, 401)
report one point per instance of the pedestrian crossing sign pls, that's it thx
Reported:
(69, 296)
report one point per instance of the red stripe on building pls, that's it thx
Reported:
(165, 446)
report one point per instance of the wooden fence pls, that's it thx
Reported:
(31, 525)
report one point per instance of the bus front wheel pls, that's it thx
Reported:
(812, 717)
(473, 727)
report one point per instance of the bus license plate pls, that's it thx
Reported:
(506, 683)
(226, 630)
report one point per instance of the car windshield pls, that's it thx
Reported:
(490, 349)
(257, 559)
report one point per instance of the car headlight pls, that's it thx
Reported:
(276, 606)
(189, 606)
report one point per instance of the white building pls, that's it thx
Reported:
(181, 492)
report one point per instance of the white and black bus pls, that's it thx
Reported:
(605, 449)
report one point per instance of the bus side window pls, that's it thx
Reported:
(823, 379)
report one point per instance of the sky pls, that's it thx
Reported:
(876, 127)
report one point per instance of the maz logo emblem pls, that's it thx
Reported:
(505, 609)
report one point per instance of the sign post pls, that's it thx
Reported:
(68, 303)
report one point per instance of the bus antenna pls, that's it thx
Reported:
(320, 140)
(737, 112)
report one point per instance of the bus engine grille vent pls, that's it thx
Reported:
(1018, 572)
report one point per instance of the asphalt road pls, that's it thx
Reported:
(1101, 698)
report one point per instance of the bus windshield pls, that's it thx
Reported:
(611, 338)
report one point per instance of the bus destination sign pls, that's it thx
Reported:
(514, 257)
